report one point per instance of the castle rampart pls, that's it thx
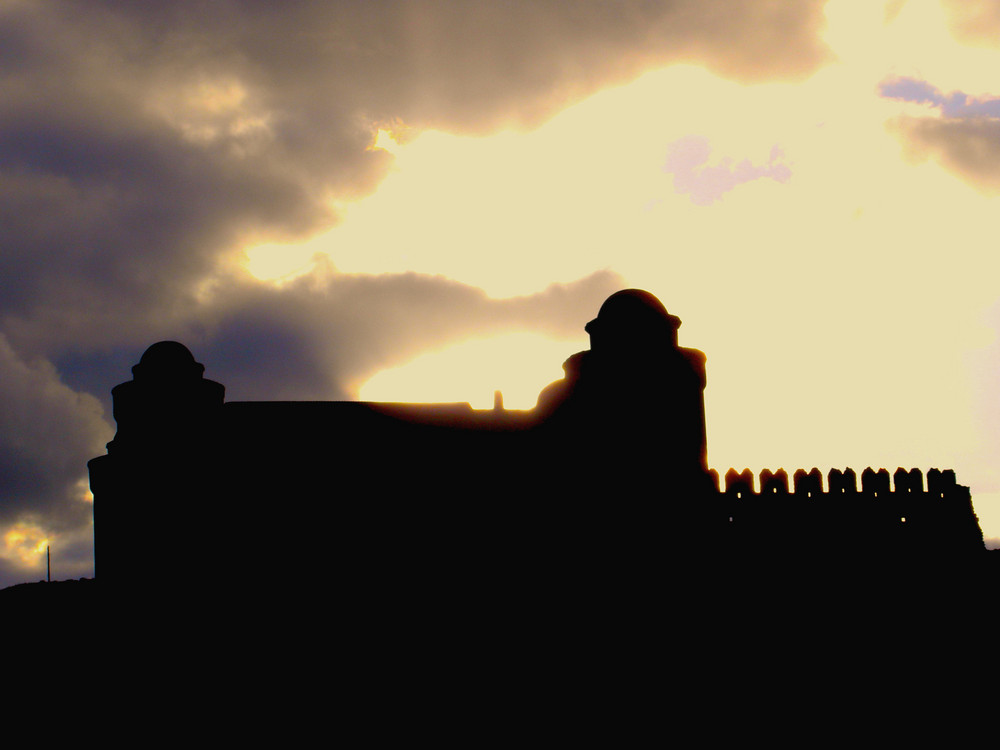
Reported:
(904, 517)
(609, 467)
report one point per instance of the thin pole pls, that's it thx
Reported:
(48, 564)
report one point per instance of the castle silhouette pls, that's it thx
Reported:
(608, 473)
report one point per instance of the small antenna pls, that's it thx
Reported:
(48, 564)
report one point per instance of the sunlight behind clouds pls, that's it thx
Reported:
(24, 544)
(518, 365)
(836, 305)
(915, 41)
(309, 194)
(515, 211)
(280, 263)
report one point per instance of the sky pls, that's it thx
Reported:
(427, 200)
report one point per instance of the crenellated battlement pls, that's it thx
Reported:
(810, 483)
(886, 513)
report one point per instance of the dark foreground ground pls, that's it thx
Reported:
(981, 578)
(773, 652)
(73, 590)
(738, 599)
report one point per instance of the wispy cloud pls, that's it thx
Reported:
(687, 160)
(956, 104)
(965, 139)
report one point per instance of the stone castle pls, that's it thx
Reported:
(608, 472)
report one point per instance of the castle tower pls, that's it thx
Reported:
(157, 467)
(633, 406)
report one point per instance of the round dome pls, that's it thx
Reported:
(633, 311)
(167, 359)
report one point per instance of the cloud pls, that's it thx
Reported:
(322, 336)
(141, 146)
(47, 434)
(955, 105)
(969, 148)
(144, 146)
(965, 139)
(687, 160)
(974, 21)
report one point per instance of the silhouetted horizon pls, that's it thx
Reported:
(607, 473)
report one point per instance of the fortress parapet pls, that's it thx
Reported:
(892, 520)
(875, 482)
(807, 484)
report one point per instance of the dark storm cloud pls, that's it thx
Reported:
(47, 434)
(969, 148)
(966, 138)
(473, 62)
(143, 145)
(324, 335)
(140, 143)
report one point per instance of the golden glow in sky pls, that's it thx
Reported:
(838, 286)
(514, 364)
(24, 545)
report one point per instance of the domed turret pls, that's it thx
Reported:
(164, 451)
(630, 319)
(634, 402)
(168, 401)
(167, 360)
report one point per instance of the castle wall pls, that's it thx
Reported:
(901, 518)
(610, 468)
